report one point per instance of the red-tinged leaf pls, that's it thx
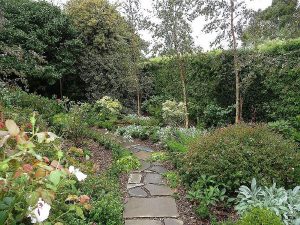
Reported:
(84, 199)
(27, 168)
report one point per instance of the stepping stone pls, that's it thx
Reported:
(137, 192)
(159, 190)
(143, 155)
(173, 222)
(135, 178)
(129, 186)
(157, 164)
(143, 222)
(158, 169)
(152, 178)
(151, 207)
(145, 166)
(143, 148)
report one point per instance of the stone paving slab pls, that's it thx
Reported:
(143, 222)
(158, 169)
(135, 178)
(143, 148)
(152, 178)
(142, 155)
(137, 192)
(145, 166)
(129, 186)
(159, 190)
(172, 222)
(151, 207)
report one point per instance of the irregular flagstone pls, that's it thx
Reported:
(159, 190)
(158, 169)
(152, 178)
(143, 222)
(145, 166)
(137, 192)
(143, 155)
(157, 163)
(135, 178)
(129, 186)
(173, 222)
(151, 207)
(143, 148)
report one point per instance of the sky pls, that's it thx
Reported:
(201, 39)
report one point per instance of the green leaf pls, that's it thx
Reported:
(55, 177)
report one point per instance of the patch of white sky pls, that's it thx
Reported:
(201, 39)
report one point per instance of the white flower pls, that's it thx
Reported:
(79, 175)
(41, 213)
(46, 136)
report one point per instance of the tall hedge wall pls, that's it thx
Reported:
(270, 74)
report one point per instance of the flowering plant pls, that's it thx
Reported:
(173, 112)
(30, 181)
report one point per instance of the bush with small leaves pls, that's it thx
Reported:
(236, 154)
(259, 216)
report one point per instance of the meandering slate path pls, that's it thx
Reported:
(150, 201)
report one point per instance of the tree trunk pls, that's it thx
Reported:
(61, 88)
(135, 53)
(184, 91)
(238, 111)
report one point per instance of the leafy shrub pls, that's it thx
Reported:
(216, 116)
(134, 119)
(203, 211)
(153, 107)
(44, 106)
(128, 163)
(134, 131)
(159, 157)
(173, 113)
(207, 191)
(236, 154)
(172, 178)
(108, 106)
(72, 125)
(258, 216)
(107, 210)
(285, 203)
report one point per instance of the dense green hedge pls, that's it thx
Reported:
(271, 74)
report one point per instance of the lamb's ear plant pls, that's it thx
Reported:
(285, 203)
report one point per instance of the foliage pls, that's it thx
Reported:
(285, 203)
(257, 216)
(134, 119)
(278, 21)
(105, 61)
(207, 191)
(272, 93)
(108, 106)
(47, 108)
(133, 131)
(72, 124)
(128, 163)
(236, 154)
(172, 178)
(38, 45)
(158, 157)
(216, 116)
(203, 211)
(26, 176)
(173, 112)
